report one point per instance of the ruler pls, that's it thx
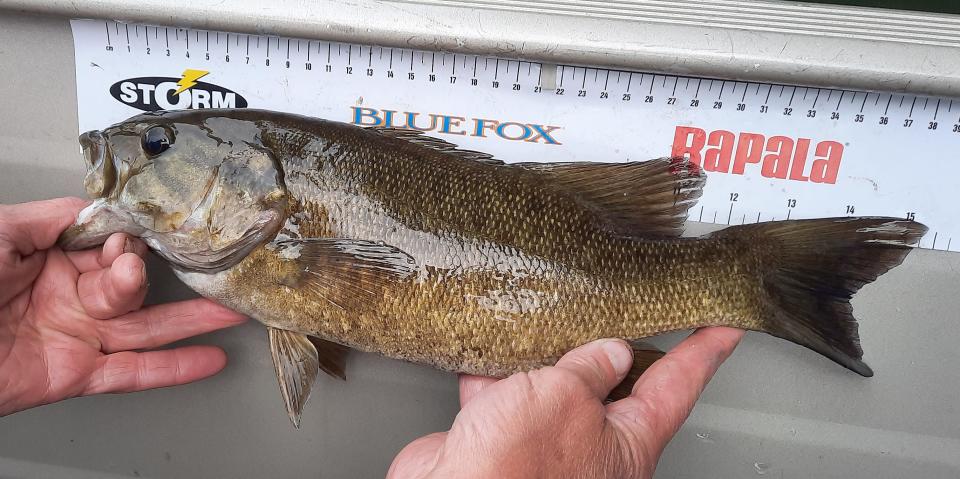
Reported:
(772, 151)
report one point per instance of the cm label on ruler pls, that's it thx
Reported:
(771, 151)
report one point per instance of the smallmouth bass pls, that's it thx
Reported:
(337, 237)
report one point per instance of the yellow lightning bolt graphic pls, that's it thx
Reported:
(189, 79)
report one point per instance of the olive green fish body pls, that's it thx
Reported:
(389, 241)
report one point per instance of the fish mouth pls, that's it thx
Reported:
(101, 168)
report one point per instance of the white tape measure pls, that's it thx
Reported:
(771, 151)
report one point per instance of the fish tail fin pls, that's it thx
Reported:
(814, 268)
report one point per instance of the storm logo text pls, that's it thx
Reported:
(167, 93)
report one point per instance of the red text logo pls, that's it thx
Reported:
(777, 156)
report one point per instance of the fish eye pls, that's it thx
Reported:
(156, 140)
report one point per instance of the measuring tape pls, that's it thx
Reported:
(771, 151)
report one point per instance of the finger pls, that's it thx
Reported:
(666, 393)
(33, 226)
(119, 289)
(471, 385)
(98, 258)
(161, 324)
(418, 458)
(601, 364)
(129, 371)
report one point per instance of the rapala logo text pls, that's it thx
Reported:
(166, 93)
(457, 125)
(777, 156)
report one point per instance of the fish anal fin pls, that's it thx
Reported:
(332, 357)
(644, 355)
(297, 364)
(348, 274)
(641, 199)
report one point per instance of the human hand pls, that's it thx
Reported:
(553, 422)
(70, 320)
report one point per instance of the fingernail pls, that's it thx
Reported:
(143, 274)
(127, 245)
(619, 355)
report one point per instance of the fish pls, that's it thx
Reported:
(339, 237)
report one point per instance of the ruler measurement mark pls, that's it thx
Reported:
(936, 110)
(743, 98)
(840, 100)
(433, 61)
(697, 93)
(676, 80)
(887, 108)
(583, 84)
(912, 104)
(902, 98)
(730, 214)
(606, 80)
(475, 60)
(794, 92)
(720, 95)
(817, 98)
(652, 81)
(629, 79)
(864, 102)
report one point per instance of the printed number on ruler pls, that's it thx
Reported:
(772, 152)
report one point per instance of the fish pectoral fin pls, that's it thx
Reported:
(346, 273)
(297, 363)
(644, 355)
(332, 357)
(641, 198)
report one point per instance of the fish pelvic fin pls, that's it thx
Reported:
(644, 355)
(644, 199)
(297, 364)
(331, 356)
(813, 270)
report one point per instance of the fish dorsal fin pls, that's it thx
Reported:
(296, 361)
(346, 273)
(642, 199)
(417, 137)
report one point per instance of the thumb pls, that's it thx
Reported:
(418, 458)
(601, 364)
